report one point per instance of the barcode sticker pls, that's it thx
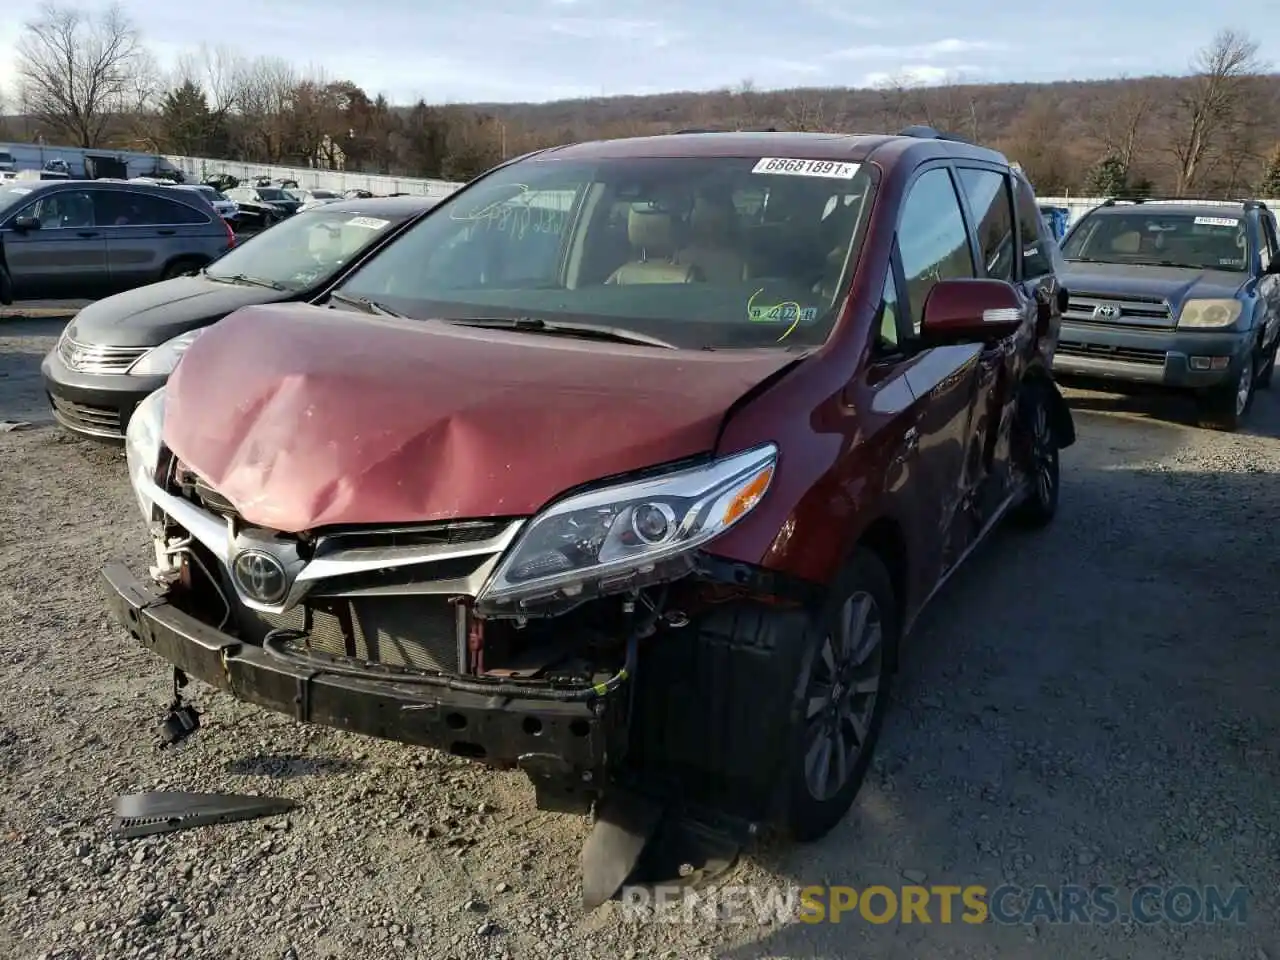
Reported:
(373, 223)
(794, 167)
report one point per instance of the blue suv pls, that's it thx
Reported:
(1179, 294)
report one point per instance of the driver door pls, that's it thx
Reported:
(66, 256)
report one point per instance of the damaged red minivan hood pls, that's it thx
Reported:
(303, 416)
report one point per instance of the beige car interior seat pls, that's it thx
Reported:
(714, 249)
(653, 245)
(1130, 242)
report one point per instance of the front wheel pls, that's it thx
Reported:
(1225, 407)
(1036, 449)
(1263, 379)
(840, 698)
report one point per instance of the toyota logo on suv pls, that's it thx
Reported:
(260, 576)
(1106, 311)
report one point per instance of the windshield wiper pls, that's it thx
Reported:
(586, 330)
(245, 278)
(365, 304)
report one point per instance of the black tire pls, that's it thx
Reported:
(1035, 449)
(180, 268)
(6, 286)
(1263, 379)
(1226, 407)
(856, 715)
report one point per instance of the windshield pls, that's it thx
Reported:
(303, 250)
(323, 194)
(271, 193)
(1161, 238)
(12, 196)
(699, 252)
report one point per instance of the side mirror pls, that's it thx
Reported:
(971, 311)
(24, 224)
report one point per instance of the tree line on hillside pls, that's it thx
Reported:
(86, 78)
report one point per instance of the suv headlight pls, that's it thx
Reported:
(612, 534)
(142, 446)
(1209, 314)
(161, 361)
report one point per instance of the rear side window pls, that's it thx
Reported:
(1037, 259)
(124, 209)
(932, 239)
(988, 194)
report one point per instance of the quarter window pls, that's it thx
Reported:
(120, 208)
(932, 239)
(887, 340)
(988, 194)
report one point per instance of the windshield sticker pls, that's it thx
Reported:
(1230, 262)
(1217, 222)
(19, 190)
(788, 312)
(791, 167)
(373, 223)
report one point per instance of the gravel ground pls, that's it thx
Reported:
(1095, 703)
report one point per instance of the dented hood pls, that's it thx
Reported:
(304, 417)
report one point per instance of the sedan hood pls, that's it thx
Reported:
(148, 316)
(1175, 284)
(304, 417)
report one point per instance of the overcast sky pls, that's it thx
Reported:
(549, 49)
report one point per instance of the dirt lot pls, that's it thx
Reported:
(1094, 704)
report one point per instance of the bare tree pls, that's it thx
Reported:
(896, 108)
(78, 72)
(214, 70)
(265, 93)
(805, 113)
(1212, 103)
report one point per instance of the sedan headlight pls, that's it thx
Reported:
(608, 538)
(1209, 314)
(142, 445)
(161, 361)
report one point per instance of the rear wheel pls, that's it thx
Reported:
(1225, 407)
(1036, 449)
(840, 698)
(6, 286)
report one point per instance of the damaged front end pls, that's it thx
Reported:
(575, 644)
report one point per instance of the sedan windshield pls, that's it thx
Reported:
(1163, 238)
(271, 193)
(303, 250)
(698, 252)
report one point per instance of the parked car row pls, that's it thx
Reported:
(630, 464)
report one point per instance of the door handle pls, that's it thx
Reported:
(87, 234)
(166, 233)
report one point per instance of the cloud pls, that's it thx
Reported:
(834, 11)
(920, 75)
(653, 32)
(918, 51)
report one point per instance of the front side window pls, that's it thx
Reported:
(303, 250)
(988, 194)
(66, 209)
(932, 239)
(699, 252)
(1040, 253)
(1270, 244)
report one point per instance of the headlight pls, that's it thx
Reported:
(606, 538)
(161, 361)
(1209, 314)
(142, 445)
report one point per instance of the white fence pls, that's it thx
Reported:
(201, 168)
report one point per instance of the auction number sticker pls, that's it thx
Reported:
(1217, 222)
(373, 223)
(794, 167)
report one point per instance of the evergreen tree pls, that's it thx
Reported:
(1269, 185)
(1109, 178)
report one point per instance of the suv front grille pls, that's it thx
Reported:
(1131, 311)
(98, 358)
(1100, 351)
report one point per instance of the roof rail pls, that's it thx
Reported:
(924, 132)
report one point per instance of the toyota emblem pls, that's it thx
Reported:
(1106, 311)
(260, 576)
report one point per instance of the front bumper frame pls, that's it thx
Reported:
(550, 740)
(94, 405)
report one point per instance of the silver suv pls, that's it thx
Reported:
(91, 238)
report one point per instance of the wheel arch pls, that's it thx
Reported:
(1060, 417)
(886, 538)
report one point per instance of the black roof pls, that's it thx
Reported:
(1165, 207)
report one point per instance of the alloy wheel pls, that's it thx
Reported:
(842, 696)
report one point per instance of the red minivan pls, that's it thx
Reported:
(630, 465)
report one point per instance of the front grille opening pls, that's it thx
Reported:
(1102, 352)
